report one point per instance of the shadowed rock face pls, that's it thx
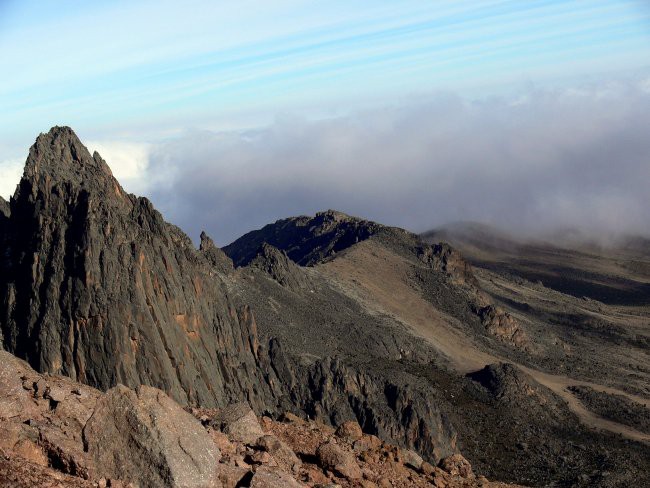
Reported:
(214, 255)
(332, 391)
(306, 240)
(4, 209)
(279, 267)
(98, 287)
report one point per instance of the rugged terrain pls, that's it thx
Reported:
(56, 432)
(334, 319)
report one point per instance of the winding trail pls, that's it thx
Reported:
(378, 279)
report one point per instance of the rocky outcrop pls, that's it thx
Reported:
(501, 324)
(279, 267)
(56, 432)
(95, 285)
(334, 393)
(442, 257)
(98, 287)
(144, 437)
(215, 255)
(4, 209)
(507, 383)
(306, 240)
(141, 436)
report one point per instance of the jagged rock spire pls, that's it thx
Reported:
(96, 285)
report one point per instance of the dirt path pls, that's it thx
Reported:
(378, 279)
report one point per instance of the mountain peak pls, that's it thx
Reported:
(59, 155)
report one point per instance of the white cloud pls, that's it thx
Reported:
(128, 161)
(556, 158)
(10, 172)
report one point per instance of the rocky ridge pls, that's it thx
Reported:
(306, 240)
(96, 286)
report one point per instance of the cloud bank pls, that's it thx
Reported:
(546, 160)
(532, 164)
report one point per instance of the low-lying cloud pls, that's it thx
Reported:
(543, 161)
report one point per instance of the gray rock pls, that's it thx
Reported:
(412, 459)
(95, 285)
(5, 211)
(214, 255)
(279, 267)
(239, 423)
(148, 439)
(306, 240)
(281, 452)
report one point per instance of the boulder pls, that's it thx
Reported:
(349, 431)
(412, 459)
(233, 476)
(240, 424)
(280, 451)
(145, 437)
(333, 458)
(267, 477)
(457, 465)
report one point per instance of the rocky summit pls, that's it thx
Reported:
(317, 351)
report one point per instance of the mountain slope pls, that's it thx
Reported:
(98, 287)
(330, 317)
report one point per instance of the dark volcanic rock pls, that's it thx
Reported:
(279, 267)
(4, 209)
(387, 405)
(306, 240)
(215, 255)
(98, 287)
(507, 383)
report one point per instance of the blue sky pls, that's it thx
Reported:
(124, 74)
(147, 66)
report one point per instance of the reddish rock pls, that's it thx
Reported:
(266, 477)
(457, 465)
(412, 459)
(349, 431)
(280, 451)
(366, 443)
(232, 476)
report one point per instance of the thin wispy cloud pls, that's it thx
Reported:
(116, 67)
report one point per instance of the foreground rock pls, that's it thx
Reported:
(56, 432)
(145, 437)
